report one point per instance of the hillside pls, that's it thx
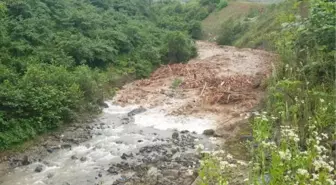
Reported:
(61, 59)
(294, 130)
(235, 10)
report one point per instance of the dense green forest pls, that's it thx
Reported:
(60, 59)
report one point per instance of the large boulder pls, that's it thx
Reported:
(209, 132)
(137, 111)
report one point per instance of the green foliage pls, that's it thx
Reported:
(43, 98)
(254, 30)
(59, 58)
(176, 83)
(222, 4)
(231, 32)
(178, 48)
(301, 103)
(293, 135)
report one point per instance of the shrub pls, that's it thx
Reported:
(176, 83)
(179, 48)
(230, 31)
(221, 4)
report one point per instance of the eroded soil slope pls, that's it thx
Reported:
(224, 82)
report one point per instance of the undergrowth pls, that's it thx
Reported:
(294, 135)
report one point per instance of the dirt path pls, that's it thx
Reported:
(224, 82)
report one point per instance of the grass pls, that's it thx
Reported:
(235, 9)
(292, 136)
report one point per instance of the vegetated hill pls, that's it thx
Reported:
(235, 10)
(295, 130)
(57, 57)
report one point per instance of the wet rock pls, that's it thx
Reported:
(209, 132)
(137, 111)
(127, 120)
(50, 175)
(74, 157)
(66, 146)
(39, 168)
(119, 142)
(174, 150)
(53, 149)
(140, 141)
(25, 160)
(184, 131)
(175, 135)
(123, 166)
(125, 156)
(100, 175)
(103, 104)
(113, 170)
(83, 159)
(246, 138)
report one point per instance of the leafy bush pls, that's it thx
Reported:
(221, 4)
(59, 59)
(43, 98)
(293, 138)
(179, 48)
(176, 83)
(230, 32)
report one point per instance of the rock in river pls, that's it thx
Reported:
(39, 168)
(209, 132)
(175, 135)
(137, 111)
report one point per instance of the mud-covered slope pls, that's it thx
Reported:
(223, 82)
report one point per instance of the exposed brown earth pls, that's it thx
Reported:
(225, 82)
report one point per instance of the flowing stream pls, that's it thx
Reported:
(144, 139)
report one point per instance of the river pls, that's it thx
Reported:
(124, 144)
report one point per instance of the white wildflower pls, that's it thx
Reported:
(242, 163)
(321, 100)
(223, 164)
(331, 182)
(318, 164)
(325, 136)
(232, 165)
(200, 147)
(285, 155)
(229, 156)
(303, 172)
(318, 138)
(304, 153)
(315, 176)
(256, 113)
